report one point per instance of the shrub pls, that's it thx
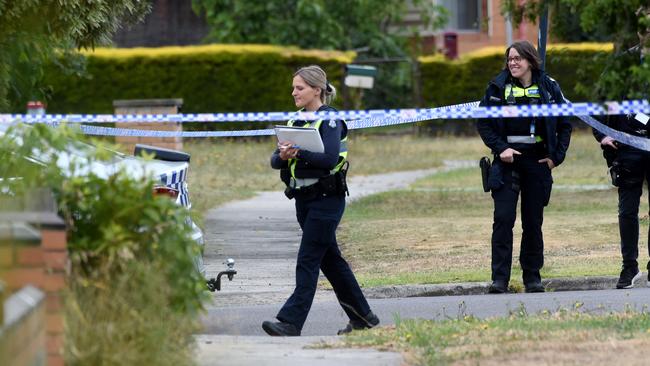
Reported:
(134, 293)
(212, 78)
(574, 66)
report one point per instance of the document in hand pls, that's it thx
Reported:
(306, 138)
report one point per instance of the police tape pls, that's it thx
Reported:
(466, 110)
(225, 117)
(630, 140)
(379, 118)
(457, 111)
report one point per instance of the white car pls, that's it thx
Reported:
(168, 168)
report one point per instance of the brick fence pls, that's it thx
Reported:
(33, 251)
(149, 106)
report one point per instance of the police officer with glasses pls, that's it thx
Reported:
(525, 150)
(316, 180)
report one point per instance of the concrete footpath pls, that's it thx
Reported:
(262, 235)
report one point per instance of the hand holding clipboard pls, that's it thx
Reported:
(304, 138)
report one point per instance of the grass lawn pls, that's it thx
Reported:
(439, 230)
(566, 337)
(224, 170)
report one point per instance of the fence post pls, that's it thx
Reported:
(149, 106)
(33, 248)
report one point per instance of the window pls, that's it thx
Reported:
(463, 14)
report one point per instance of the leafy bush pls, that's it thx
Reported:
(133, 284)
(575, 66)
(213, 78)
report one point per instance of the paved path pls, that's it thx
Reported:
(262, 235)
(326, 317)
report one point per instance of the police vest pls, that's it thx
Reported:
(343, 150)
(512, 92)
(533, 93)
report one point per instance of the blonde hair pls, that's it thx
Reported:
(315, 77)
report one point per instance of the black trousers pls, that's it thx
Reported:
(318, 219)
(636, 169)
(534, 182)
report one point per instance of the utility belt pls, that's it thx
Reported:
(330, 185)
(529, 139)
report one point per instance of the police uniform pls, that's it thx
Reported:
(535, 138)
(629, 168)
(317, 182)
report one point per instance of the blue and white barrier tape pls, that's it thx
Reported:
(378, 118)
(112, 131)
(468, 110)
(221, 117)
(465, 110)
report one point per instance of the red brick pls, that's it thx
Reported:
(19, 277)
(54, 343)
(55, 360)
(128, 139)
(54, 302)
(54, 282)
(53, 239)
(56, 259)
(29, 256)
(54, 323)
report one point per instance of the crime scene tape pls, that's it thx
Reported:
(465, 110)
(222, 117)
(361, 119)
(631, 140)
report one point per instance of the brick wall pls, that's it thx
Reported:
(171, 22)
(35, 254)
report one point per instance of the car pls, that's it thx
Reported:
(169, 169)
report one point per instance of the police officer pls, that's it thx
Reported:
(525, 151)
(317, 182)
(629, 168)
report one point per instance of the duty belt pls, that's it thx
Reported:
(298, 183)
(522, 139)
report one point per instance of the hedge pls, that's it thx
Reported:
(211, 78)
(574, 66)
(253, 78)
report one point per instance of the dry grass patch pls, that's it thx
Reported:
(433, 237)
(566, 337)
(631, 352)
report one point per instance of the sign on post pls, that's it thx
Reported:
(360, 76)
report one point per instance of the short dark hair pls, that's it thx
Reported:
(526, 50)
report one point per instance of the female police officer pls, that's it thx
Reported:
(317, 182)
(525, 150)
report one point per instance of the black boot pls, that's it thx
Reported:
(280, 329)
(498, 287)
(366, 322)
(532, 281)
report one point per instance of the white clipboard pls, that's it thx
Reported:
(306, 138)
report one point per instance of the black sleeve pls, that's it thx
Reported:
(487, 127)
(277, 162)
(331, 132)
(563, 129)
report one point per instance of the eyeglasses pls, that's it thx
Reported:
(516, 59)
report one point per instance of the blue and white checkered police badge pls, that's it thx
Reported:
(332, 123)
